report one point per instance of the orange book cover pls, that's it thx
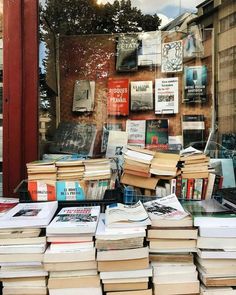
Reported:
(118, 97)
(42, 190)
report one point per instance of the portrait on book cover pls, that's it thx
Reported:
(172, 57)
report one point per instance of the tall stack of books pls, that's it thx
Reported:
(97, 169)
(137, 162)
(197, 177)
(70, 169)
(121, 255)
(216, 254)
(70, 257)
(41, 170)
(23, 243)
(172, 239)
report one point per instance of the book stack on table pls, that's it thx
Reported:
(216, 253)
(23, 243)
(122, 258)
(172, 239)
(70, 258)
(70, 169)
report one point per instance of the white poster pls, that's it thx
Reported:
(136, 130)
(166, 96)
(172, 57)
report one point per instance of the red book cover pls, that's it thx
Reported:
(204, 188)
(190, 188)
(178, 186)
(118, 97)
(42, 191)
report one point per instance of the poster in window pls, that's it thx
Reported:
(141, 95)
(118, 97)
(195, 84)
(172, 57)
(166, 96)
(156, 133)
(192, 43)
(127, 53)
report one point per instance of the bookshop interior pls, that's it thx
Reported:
(133, 191)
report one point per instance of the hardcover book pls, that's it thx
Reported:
(84, 93)
(172, 57)
(118, 97)
(156, 132)
(166, 96)
(195, 84)
(127, 53)
(141, 95)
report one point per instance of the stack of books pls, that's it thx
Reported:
(70, 257)
(121, 255)
(23, 243)
(97, 169)
(137, 162)
(216, 254)
(164, 164)
(172, 239)
(70, 169)
(41, 170)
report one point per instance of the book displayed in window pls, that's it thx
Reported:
(193, 129)
(150, 51)
(195, 83)
(141, 95)
(84, 93)
(166, 96)
(136, 130)
(118, 97)
(127, 53)
(105, 133)
(156, 132)
(172, 57)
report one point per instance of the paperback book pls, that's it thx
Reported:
(84, 93)
(141, 95)
(156, 132)
(172, 57)
(136, 130)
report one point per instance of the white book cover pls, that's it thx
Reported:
(37, 214)
(217, 232)
(75, 220)
(167, 96)
(136, 130)
(141, 95)
(172, 57)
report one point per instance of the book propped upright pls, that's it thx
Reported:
(84, 93)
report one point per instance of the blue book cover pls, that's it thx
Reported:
(69, 191)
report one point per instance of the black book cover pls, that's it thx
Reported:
(193, 129)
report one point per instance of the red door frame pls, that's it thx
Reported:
(20, 90)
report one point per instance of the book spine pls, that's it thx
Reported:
(197, 192)
(217, 184)
(184, 188)
(210, 185)
(190, 188)
(204, 188)
(173, 186)
(178, 186)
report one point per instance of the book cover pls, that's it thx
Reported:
(166, 96)
(172, 57)
(127, 53)
(195, 84)
(118, 97)
(150, 49)
(204, 188)
(156, 132)
(136, 130)
(69, 191)
(190, 187)
(192, 43)
(6, 204)
(75, 220)
(193, 129)
(42, 190)
(84, 93)
(184, 188)
(141, 95)
(105, 133)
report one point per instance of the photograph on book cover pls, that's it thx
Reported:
(172, 57)
(84, 93)
(166, 96)
(141, 95)
(115, 126)
(195, 84)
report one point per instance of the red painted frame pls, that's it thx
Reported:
(20, 91)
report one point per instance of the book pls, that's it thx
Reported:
(121, 215)
(197, 190)
(210, 186)
(141, 95)
(216, 254)
(190, 188)
(182, 258)
(172, 233)
(169, 244)
(216, 243)
(139, 181)
(74, 220)
(166, 96)
(29, 215)
(23, 248)
(138, 292)
(44, 190)
(195, 84)
(19, 233)
(126, 254)
(25, 291)
(139, 155)
(127, 53)
(70, 266)
(156, 132)
(76, 291)
(6, 204)
(193, 129)
(209, 212)
(84, 94)
(126, 274)
(184, 222)
(172, 57)
(105, 133)
(227, 231)
(69, 190)
(216, 290)
(121, 265)
(136, 130)
(118, 97)
(74, 282)
(125, 286)
(179, 288)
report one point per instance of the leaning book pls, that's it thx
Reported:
(75, 220)
(37, 214)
